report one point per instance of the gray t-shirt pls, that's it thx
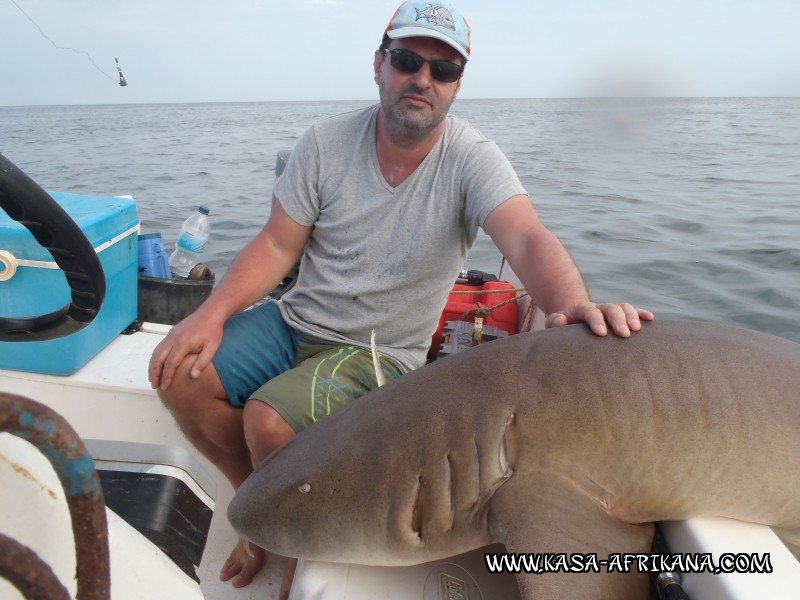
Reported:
(383, 257)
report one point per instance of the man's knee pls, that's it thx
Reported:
(265, 430)
(187, 393)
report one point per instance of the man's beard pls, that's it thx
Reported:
(409, 120)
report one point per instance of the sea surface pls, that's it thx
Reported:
(689, 207)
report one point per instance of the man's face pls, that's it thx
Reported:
(416, 102)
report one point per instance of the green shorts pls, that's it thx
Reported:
(324, 378)
(305, 381)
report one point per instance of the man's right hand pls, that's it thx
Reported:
(265, 260)
(195, 335)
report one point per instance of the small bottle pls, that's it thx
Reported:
(191, 241)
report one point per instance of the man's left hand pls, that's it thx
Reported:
(623, 318)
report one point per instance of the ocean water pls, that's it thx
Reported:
(689, 207)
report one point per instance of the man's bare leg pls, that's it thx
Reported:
(265, 431)
(201, 409)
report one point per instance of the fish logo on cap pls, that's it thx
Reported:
(438, 15)
(431, 18)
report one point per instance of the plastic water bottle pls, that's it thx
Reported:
(191, 242)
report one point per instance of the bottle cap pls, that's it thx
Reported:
(203, 210)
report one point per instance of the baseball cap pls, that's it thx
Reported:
(439, 20)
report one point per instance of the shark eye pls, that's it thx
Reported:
(305, 488)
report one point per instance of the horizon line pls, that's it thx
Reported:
(375, 100)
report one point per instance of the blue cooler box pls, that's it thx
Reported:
(38, 286)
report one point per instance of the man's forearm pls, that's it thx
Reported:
(548, 272)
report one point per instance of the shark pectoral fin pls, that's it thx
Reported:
(790, 539)
(562, 531)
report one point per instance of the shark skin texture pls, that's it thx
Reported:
(549, 442)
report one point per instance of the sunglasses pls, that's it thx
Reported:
(410, 62)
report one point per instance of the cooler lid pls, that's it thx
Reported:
(101, 218)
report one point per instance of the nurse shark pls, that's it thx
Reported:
(549, 442)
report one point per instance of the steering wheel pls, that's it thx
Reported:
(28, 204)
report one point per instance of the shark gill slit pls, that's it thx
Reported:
(485, 493)
(416, 511)
(478, 503)
(450, 491)
(505, 467)
(477, 469)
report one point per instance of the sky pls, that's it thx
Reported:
(265, 50)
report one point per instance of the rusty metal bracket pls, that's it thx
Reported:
(60, 444)
(23, 569)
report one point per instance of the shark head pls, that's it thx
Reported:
(364, 486)
(327, 495)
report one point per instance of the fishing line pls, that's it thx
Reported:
(121, 82)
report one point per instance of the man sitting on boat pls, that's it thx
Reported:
(383, 204)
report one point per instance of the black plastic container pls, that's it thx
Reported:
(169, 301)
